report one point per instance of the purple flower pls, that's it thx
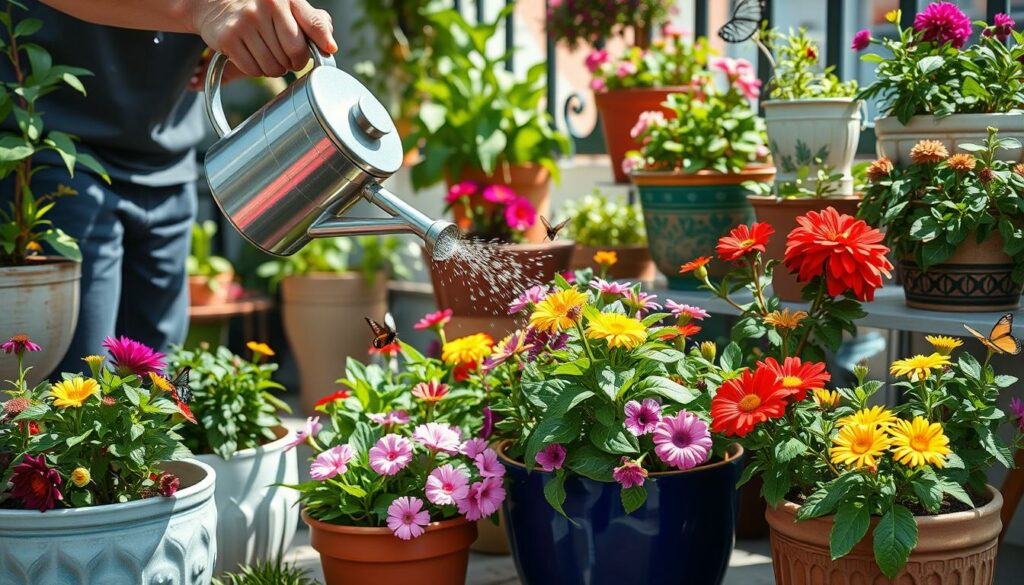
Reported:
(331, 462)
(605, 287)
(1017, 411)
(544, 342)
(641, 302)
(679, 310)
(861, 40)
(19, 344)
(488, 427)
(941, 23)
(629, 473)
(446, 485)
(390, 454)
(682, 441)
(530, 296)
(551, 457)
(312, 428)
(131, 357)
(642, 419)
(1002, 27)
(512, 345)
(488, 465)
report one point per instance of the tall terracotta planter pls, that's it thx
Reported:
(895, 139)
(782, 214)
(800, 131)
(352, 555)
(958, 548)
(634, 262)
(619, 111)
(528, 180)
(202, 293)
(324, 322)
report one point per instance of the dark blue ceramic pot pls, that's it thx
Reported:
(683, 534)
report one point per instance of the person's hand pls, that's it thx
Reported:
(198, 80)
(263, 37)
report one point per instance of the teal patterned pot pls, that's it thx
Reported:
(976, 278)
(686, 214)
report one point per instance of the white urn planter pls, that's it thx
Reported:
(895, 139)
(799, 131)
(155, 541)
(256, 519)
(40, 300)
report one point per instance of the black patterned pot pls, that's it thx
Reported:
(975, 279)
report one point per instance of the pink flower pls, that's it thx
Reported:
(446, 485)
(131, 357)
(682, 441)
(331, 462)
(488, 465)
(512, 345)
(642, 419)
(641, 302)
(750, 87)
(645, 122)
(436, 320)
(551, 457)
(605, 287)
(569, 276)
(520, 214)
(431, 391)
(861, 40)
(530, 296)
(625, 69)
(1017, 411)
(460, 190)
(499, 194)
(631, 163)
(482, 499)
(695, 313)
(387, 419)
(390, 454)
(19, 344)
(438, 437)
(596, 59)
(597, 84)
(407, 518)
(313, 427)
(941, 23)
(1002, 27)
(629, 473)
(671, 30)
(473, 447)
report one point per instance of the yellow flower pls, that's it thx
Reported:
(918, 367)
(559, 311)
(73, 392)
(943, 345)
(80, 476)
(606, 257)
(826, 399)
(878, 416)
(260, 348)
(785, 319)
(708, 350)
(160, 383)
(467, 350)
(892, 16)
(859, 446)
(619, 330)
(94, 360)
(917, 443)
(34, 247)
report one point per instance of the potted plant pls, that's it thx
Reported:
(240, 436)
(479, 122)
(327, 287)
(691, 166)
(954, 222)
(39, 263)
(92, 478)
(596, 224)
(931, 87)
(209, 277)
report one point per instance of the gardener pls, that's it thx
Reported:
(142, 121)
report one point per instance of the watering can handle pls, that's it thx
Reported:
(214, 74)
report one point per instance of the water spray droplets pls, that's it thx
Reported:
(494, 274)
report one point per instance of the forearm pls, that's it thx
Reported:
(161, 15)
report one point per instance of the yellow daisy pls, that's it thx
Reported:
(606, 257)
(826, 399)
(73, 392)
(943, 344)
(785, 319)
(917, 443)
(260, 348)
(876, 415)
(859, 446)
(559, 311)
(619, 330)
(919, 367)
(160, 383)
(467, 350)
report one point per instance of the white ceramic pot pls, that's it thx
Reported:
(800, 131)
(40, 300)
(156, 541)
(895, 140)
(256, 519)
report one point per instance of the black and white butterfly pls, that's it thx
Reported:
(383, 334)
(182, 390)
(746, 20)
(553, 231)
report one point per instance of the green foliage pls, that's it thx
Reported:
(592, 21)
(824, 184)
(668, 62)
(796, 73)
(368, 255)
(595, 220)
(273, 572)
(201, 261)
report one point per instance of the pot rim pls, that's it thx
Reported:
(990, 507)
(894, 122)
(284, 434)
(733, 452)
(526, 247)
(347, 275)
(800, 101)
(41, 270)
(793, 200)
(659, 89)
(375, 530)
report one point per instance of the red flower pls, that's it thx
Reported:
(435, 320)
(390, 350)
(168, 484)
(694, 264)
(339, 395)
(688, 330)
(36, 484)
(743, 403)
(798, 377)
(33, 427)
(743, 240)
(461, 372)
(845, 249)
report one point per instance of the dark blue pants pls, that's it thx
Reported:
(134, 242)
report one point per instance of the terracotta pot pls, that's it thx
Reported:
(324, 322)
(352, 555)
(958, 548)
(200, 294)
(527, 180)
(782, 214)
(976, 278)
(800, 131)
(619, 111)
(634, 263)
(895, 140)
(41, 300)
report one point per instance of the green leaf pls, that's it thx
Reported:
(894, 538)
(14, 149)
(33, 412)
(432, 116)
(667, 388)
(732, 358)
(824, 500)
(633, 498)
(954, 490)
(926, 487)
(555, 429)
(354, 490)
(931, 63)
(994, 446)
(62, 244)
(554, 491)
(789, 449)
(614, 439)
(592, 463)
(849, 526)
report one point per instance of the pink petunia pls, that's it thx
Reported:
(681, 310)
(446, 485)
(520, 214)
(438, 437)
(436, 320)
(625, 69)
(629, 473)
(407, 518)
(597, 84)
(390, 454)
(312, 427)
(488, 465)
(331, 462)
(388, 419)
(473, 447)
(605, 287)
(682, 441)
(551, 457)
(645, 122)
(642, 418)
(482, 499)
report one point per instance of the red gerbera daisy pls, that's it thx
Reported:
(339, 395)
(845, 249)
(798, 377)
(694, 264)
(743, 403)
(390, 350)
(743, 240)
(688, 330)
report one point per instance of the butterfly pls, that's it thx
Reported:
(745, 21)
(183, 394)
(1001, 340)
(383, 334)
(553, 231)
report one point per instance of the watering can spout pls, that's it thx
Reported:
(440, 237)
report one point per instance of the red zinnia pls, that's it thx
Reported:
(743, 240)
(798, 377)
(390, 350)
(339, 395)
(36, 484)
(694, 264)
(845, 249)
(688, 330)
(743, 403)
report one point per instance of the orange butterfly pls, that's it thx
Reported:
(1001, 340)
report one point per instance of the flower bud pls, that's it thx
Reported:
(860, 371)
(80, 477)
(708, 350)
(169, 484)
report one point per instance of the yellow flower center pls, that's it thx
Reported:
(749, 402)
(919, 443)
(791, 381)
(861, 445)
(747, 243)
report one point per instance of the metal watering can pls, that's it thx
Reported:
(290, 172)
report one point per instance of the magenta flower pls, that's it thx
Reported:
(1017, 411)
(438, 437)
(388, 419)
(941, 23)
(390, 454)
(489, 418)
(682, 441)
(311, 429)
(680, 310)
(436, 320)
(482, 499)
(520, 214)
(499, 194)
(488, 465)
(36, 484)
(131, 357)
(407, 518)
(331, 462)
(642, 419)
(446, 485)
(473, 447)
(861, 40)
(431, 391)
(19, 344)
(625, 69)
(605, 287)
(530, 296)
(551, 457)
(1002, 27)
(512, 345)
(645, 122)
(597, 84)
(629, 473)
(460, 190)
(671, 30)
(595, 59)
(641, 302)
